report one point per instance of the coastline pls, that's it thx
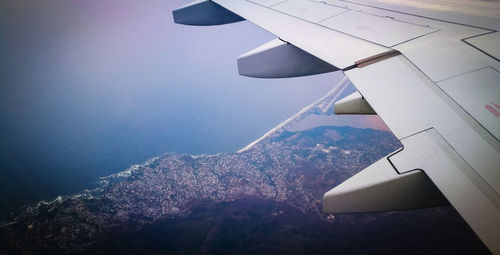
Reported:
(341, 85)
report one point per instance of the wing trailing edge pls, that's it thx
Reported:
(475, 200)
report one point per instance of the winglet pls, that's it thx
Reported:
(380, 188)
(204, 13)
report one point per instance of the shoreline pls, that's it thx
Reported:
(337, 87)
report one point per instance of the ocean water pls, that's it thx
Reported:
(88, 88)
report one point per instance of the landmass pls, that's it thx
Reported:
(266, 198)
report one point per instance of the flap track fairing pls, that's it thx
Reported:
(279, 59)
(380, 188)
(204, 13)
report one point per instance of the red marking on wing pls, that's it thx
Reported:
(496, 105)
(492, 110)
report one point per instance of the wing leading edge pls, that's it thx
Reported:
(435, 83)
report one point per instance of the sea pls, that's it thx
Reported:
(89, 88)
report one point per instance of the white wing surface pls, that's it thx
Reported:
(429, 69)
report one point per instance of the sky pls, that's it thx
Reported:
(88, 88)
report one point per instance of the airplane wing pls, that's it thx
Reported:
(429, 69)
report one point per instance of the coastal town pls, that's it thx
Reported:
(274, 187)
